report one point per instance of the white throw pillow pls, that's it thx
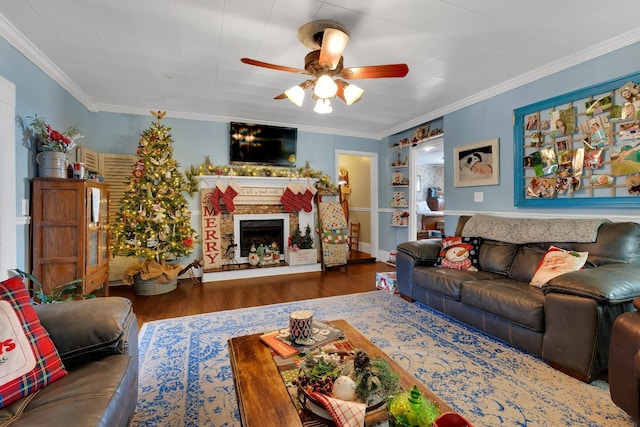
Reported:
(555, 262)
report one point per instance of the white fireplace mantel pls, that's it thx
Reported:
(260, 191)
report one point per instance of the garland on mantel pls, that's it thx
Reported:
(323, 183)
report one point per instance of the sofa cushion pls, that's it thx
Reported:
(510, 299)
(80, 335)
(98, 394)
(447, 281)
(422, 251)
(496, 256)
(29, 358)
(526, 261)
(459, 253)
(556, 262)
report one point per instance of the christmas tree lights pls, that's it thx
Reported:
(154, 222)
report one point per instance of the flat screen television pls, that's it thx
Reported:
(262, 145)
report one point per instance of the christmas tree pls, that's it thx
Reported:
(154, 222)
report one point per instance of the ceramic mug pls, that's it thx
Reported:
(300, 324)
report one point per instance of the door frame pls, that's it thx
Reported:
(8, 255)
(373, 196)
(413, 201)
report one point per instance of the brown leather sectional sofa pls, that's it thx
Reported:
(624, 362)
(567, 322)
(97, 340)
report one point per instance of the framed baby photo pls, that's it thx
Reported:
(476, 164)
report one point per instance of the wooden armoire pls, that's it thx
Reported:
(70, 232)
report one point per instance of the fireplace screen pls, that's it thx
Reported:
(260, 232)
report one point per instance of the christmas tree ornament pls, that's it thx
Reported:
(139, 169)
(344, 388)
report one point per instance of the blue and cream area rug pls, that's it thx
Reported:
(185, 376)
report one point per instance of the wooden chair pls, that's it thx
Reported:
(354, 236)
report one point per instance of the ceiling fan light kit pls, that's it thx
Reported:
(295, 95)
(323, 106)
(328, 39)
(352, 93)
(325, 87)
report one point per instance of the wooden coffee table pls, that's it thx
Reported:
(262, 396)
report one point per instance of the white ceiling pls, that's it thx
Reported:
(183, 56)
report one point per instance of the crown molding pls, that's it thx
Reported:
(592, 52)
(18, 40)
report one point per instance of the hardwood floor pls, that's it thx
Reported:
(190, 298)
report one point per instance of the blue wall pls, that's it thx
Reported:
(195, 139)
(35, 93)
(494, 118)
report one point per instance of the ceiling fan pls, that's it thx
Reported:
(328, 39)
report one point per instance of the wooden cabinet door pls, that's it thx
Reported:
(97, 248)
(58, 233)
(70, 233)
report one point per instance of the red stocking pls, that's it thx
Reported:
(229, 194)
(287, 198)
(298, 202)
(214, 199)
(307, 198)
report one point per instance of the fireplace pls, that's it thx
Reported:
(259, 198)
(259, 229)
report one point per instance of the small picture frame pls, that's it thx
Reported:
(477, 164)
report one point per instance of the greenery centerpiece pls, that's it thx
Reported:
(373, 379)
(369, 380)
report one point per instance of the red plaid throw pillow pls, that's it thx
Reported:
(28, 358)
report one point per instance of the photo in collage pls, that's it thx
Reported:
(585, 146)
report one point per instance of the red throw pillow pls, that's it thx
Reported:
(459, 253)
(28, 358)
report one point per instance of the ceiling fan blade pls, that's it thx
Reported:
(281, 96)
(340, 92)
(333, 43)
(273, 66)
(375, 71)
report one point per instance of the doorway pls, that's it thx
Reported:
(361, 198)
(426, 169)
